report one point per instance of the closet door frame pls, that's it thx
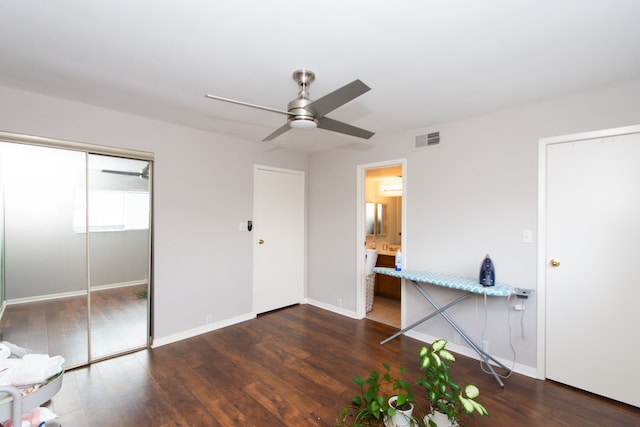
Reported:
(89, 149)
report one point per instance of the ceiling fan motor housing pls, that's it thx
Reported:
(301, 118)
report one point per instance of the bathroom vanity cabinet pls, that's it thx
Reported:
(387, 286)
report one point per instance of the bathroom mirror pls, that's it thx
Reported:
(376, 219)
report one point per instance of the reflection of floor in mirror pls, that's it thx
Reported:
(59, 326)
(118, 319)
(385, 310)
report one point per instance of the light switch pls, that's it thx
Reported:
(242, 226)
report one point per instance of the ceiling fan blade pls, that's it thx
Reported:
(337, 98)
(341, 127)
(246, 104)
(282, 129)
(121, 172)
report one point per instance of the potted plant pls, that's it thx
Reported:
(381, 397)
(445, 395)
(401, 402)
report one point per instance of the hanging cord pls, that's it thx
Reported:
(522, 334)
(513, 350)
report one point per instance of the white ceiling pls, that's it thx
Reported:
(426, 61)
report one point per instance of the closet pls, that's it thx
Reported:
(75, 248)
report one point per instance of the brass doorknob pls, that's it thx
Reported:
(554, 263)
(260, 242)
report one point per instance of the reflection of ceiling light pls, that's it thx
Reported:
(391, 187)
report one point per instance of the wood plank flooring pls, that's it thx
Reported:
(59, 326)
(293, 367)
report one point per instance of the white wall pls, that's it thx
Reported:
(44, 256)
(472, 195)
(203, 186)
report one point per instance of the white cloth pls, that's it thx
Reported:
(31, 369)
(371, 257)
(5, 351)
(14, 349)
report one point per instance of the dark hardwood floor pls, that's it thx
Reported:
(59, 326)
(293, 367)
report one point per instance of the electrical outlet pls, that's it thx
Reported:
(485, 346)
(339, 302)
(522, 293)
(208, 319)
(519, 307)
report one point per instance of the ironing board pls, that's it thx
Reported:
(13, 405)
(469, 286)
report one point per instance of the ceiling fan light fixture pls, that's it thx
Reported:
(303, 123)
(304, 113)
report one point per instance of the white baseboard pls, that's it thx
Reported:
(470, 353)
(455, 348)
(118, 285)
(46, 297)
(333, 308)
(158, 342)
(73, 293)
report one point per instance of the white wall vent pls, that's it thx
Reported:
(426, 140)
(433, 138)
(421, 142)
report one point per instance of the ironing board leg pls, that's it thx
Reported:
(484, 355)
(424, 319)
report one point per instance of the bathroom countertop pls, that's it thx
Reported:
(387, 252)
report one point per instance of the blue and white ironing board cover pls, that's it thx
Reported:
(448, 281)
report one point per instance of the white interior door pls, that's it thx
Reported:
(278, 275)
(593, 232)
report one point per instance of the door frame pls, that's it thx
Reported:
(541, 262)
(301, 175)
(361, 236)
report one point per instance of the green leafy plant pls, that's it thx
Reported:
(402, 389)
(444, 394)
(371, 407)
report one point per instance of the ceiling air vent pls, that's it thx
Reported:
(426, 140)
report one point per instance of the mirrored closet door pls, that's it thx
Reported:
(68, 289)
(119, 219)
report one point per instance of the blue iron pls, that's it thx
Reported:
(487, 272)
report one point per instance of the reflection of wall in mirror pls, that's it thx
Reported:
(389, 228)
(370, 218)
(40, 191)
(2, 293)
(394, 220)
(376, 219)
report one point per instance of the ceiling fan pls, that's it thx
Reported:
(143, 174)
(304, 113)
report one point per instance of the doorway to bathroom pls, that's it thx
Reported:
(381, 225)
